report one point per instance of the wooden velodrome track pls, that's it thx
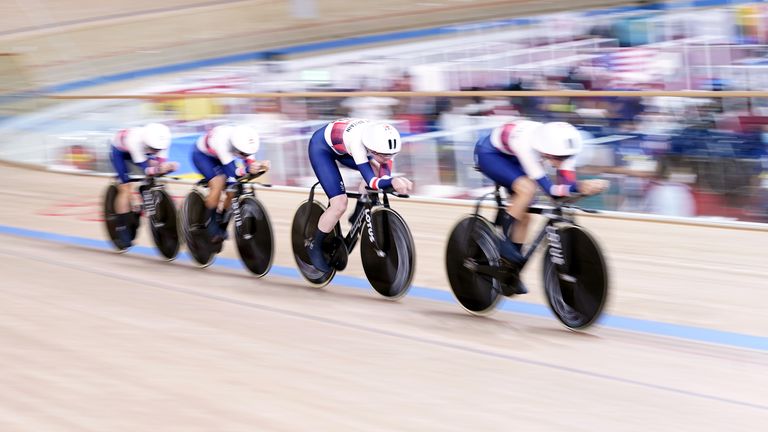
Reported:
(95, 341)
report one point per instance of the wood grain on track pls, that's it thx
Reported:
(92, 340)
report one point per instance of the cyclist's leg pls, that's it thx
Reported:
(506, 170)
(323, 161)
(123, 216)
(523, 190)
(212, 171)
(222, 220)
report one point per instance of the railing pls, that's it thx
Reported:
(722, 172)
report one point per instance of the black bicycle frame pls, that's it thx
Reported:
(361, 215)
(147, 200)
(239, 190)
(553, 216)
(234, 208)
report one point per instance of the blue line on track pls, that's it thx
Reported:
(698, 334)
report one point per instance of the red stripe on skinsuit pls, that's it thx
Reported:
(505, 133)
(337, 137)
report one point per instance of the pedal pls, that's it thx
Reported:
(470, 264)
(567, 278)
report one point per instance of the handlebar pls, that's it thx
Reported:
(242, 180)
(390, 190)
(248, 177)
(141, 178)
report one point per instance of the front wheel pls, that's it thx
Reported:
(301, 231)
(193, 224)
(575, 277)
(253, 235)
(163, 224)
(474, 240)
(389, 267)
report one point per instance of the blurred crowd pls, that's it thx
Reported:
(665, 155)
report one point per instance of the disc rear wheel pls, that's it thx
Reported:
(301, 231)
(193, 223)
(477, 293)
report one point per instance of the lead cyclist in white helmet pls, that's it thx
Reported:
(215, 156)
(146, 147)
(513, 156)
(360, 144)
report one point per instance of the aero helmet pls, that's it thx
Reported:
(244, 139)
(156, 136)
(380, 137)
(557, 139)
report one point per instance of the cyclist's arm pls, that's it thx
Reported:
(247, 162)
(556, 190)
(385, 170)
(533, 168)
(162, 156)
(231, 170)
(136, 150)
(566, 175)
(360, 156)
(372, 180)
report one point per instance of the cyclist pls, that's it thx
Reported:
(513, 155)
(360, 144)
(146, 147)
(215, 156)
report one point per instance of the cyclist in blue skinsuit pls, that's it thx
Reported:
(146, 147)
(215, 156)
(512, 156)
(360, 144)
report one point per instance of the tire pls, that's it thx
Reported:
(163, 223)
(110, 224)
(195, 234)
(390, 275)
(478, 294)
(110, 219)
(253, 236)
(300, 231)
(577, 289)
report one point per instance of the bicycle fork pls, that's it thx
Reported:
(365, 215)
(149, 201)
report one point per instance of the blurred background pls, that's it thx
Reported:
(203, 64)
(672, 100)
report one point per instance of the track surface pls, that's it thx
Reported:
(92, 341)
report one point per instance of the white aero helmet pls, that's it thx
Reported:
(558, 139)
(244, 139)
(156, 136)
(380, 137)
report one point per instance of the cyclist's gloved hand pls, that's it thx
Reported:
(167, 167)
(259, 166)
(402, 185)
(593, 187)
